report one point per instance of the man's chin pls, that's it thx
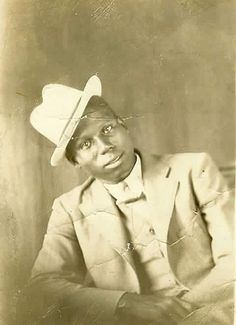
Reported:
(116, 170)
(117, 175)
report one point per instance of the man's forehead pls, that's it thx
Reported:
(97, 107)
(97, 113)
(93, 117)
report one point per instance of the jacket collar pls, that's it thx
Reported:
(160, 188)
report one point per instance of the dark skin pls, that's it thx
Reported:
(103, 147)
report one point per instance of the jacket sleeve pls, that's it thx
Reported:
(216, 204)
(59, 286)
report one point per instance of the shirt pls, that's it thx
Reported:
(131, 187)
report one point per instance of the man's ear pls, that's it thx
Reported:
(76, 165)
(121, 122)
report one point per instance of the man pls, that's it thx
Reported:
(146, 238)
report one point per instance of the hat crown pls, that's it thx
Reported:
(58, 96)
(51, 117)
(62, 107)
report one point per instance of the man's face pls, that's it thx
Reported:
(103, 146)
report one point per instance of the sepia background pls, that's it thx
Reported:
(166, 67)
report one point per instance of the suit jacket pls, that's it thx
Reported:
(84, 267)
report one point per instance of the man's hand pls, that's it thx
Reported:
(149, 309)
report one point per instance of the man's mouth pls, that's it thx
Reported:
(113, 162)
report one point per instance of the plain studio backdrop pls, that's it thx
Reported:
(166, 67)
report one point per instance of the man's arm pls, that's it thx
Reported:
(58, 285)
(61, 291)
(216, 205)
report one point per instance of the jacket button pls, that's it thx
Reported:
(152, 231)
(130, 246)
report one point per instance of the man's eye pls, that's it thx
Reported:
(85, 145)
(107, 129)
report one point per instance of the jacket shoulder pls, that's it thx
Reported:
(184, 163)
(187, 159)
(70, 200)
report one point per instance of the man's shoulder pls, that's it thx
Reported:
(185, 160)
(73, 197)
(177, 164)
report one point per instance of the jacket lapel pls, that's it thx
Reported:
(99, 206)
(160, 189)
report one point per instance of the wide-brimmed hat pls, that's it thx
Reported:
(60, 113)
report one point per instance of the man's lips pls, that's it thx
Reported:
(113, 161)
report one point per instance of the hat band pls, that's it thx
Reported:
(62, 137)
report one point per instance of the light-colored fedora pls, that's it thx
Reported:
(60, 113)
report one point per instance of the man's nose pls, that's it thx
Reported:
(104, 145)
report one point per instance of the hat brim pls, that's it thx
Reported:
(93, 87)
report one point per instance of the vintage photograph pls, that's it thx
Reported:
(117, 162)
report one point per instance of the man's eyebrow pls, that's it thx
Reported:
(106, 122)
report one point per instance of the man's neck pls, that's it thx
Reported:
(135, 171)
(123, 177)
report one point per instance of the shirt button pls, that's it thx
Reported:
(152, 231)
